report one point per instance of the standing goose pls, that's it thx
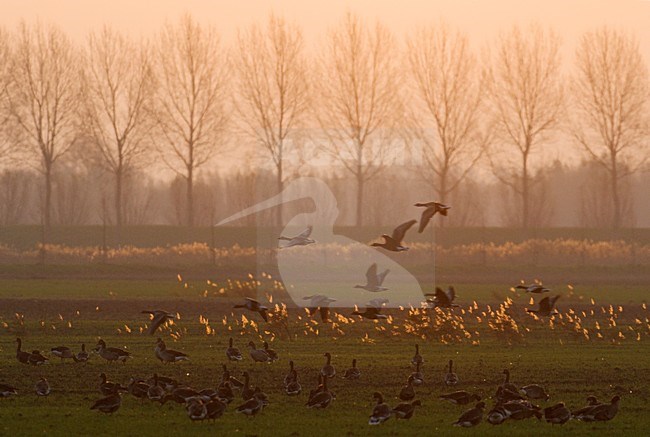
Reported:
(293, 388)
(533, 288)
(225, 393)
(431, 208)
(7, 390)
(42, 387)
(507, 384)
(107, 387)
(158, 317)
(247, 391)
(273, 355)
(81, 356)
(460, 397)
(381, 412)
(155, 391)
(405, 410)
(167, 355)
(451, 378)
(138, 388)
(417, 358)
(109, 404)
(442, 299)
(471, 417)
(557, 414)
(374, 281)
(534, 391)
(36, 358)
(252, 406)
(111, 354)
(394, 242)
(232, 352)
(328, 371)
(321, 303)
(353, 372)
(301, 239)
(408, 391)
(258, 355)
(21, 355)
(601, 412)
(291, 376)
(418, 377)
(255, 306)
(62, 352)
(322, 398)
(545, 307)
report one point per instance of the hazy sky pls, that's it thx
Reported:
(482, 19)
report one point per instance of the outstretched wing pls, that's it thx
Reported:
(371, 276)
(306, 233)
(545, 305)
(400, 231)
(426, 216)
(552, 302)
(441, 297)
(451, 293)
(382, 276)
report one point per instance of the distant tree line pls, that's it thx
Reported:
(86, 130)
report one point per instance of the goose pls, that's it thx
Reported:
(451, 378)
(328, 371)
(158, 317)
(236, 383)
(591, 402)
(62, 352)
(497, 415)
(471, 417)
(111, 354)
(460, 397)
(381, 412)
(545, 307)
(109, 404)
(533, 288)
(215, 409)
(322, 398)
(107, 387)
(167, 355)
(7, 390)
(557, 414)
(261, 396)
(155, 392)
(255, 306)
(534, 391)
(506, 395)
(21, 355)
(196, 409)
(258, 355)
(42, 387)
(301, 239)
(405, 410)
(252, 406)
(319, 387)
(36, 358)
(181, 395)
(408, 392)
(247, 391)
(167, 383)
(138, 388)
(519, 410)
(273, 355)
(442, 299)
(394, 242)
(232, 352)
(81, 356)
(418, 377)
(431, 208)
(319, 302)
(291, 376)
(507, 384)
(417, 358)
(353, 372)
(225, 393)
(371, 313)
(293, 388)
(374, 281)
(601, 412)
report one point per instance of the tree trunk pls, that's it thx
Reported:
(280, 186)
(616, 219)
(48, 197)
(524, 194)
(118, 201)
(442, 194)
(190, 197)
(359, 199)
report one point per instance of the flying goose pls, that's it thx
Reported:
(319, 302)
(374, 281)
(252, 406)
(533, 288)
(62, 352)
(21, 355)
(255, 306)
(442, 299)
(534, 391)
(273, 355)
(471, 417)
(601, 412)
(371, 313)
(408, 392)
(167, 355)
(451, 378)
(591, 402)
(7, 390)
(557, 414)
(417, 358)
(293, 388)
(394, 242)
(36, 358)
(158, 317)
(328, 371)
(431, 209)
(111, 353)
(405, 410)
(232, 352)
(107, 387)
(301, 239)
(258, 355)
(322, 397)
(381, 412)
(155, 392)
(109, 404)
(545, 307)
(460, 397)
(81, 356)
(42, 387)
(353, 372)
(418, 377)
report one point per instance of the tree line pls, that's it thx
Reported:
(383, 119)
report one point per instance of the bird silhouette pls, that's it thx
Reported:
(431, 208)
(301, 239)
(159, 317)
(374, 281)
(442, 299)
(394, 242)
(545, 307)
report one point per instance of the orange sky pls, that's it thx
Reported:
(482, 19)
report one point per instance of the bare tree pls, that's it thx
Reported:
(118, 89)
(272, 98)
(191, 101)
(447, 87)
(44, 98)
(14, 196)
(5, 84)
(611, 89)
(523, 87)
(359, 108)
